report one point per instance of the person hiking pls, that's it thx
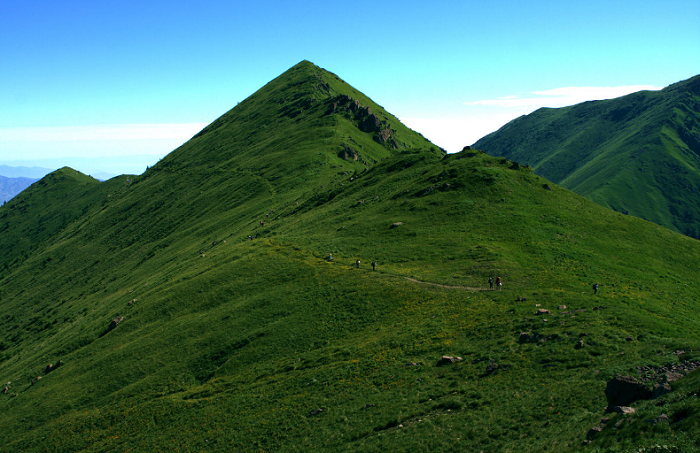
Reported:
(357, 263)
(491, 282)
(374, 264)
(595, 288)
(498, 282)
(330, 257)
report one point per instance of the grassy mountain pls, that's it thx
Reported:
(175, 331)
(638, 154)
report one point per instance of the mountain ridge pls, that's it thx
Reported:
(638, 154)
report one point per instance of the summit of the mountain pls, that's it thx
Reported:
(305, 118)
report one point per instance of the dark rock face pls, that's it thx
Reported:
(370, 123)
(661, 389)
(623, 390)
(383, 136)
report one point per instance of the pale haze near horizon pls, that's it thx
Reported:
(112, 89)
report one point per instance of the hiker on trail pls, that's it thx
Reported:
(374, 264)
(491, 282)
(262, 223)
(330, 257)
(357, 263)
(595, 288)
(498, 282)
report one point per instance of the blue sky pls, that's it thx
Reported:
(113, 86)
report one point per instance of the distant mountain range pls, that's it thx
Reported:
(9, 187)
(638, 154)
(14, 180)
(24, 172)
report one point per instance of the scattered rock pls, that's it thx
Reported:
(668, 373)
(543, 311)
(623, 390)
(491, 368)
(347, 153)
(547, 187)
(395, 224)
(597, 429)
(522, 299)
(411, 364)
(49, 368)
(524, 337)
(579, 344)
(630, 338)
(315, 412)
(624, 410)
(661, 418)
(115, 321)
(448, 360)
(562, 307)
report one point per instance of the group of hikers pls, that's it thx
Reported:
(499, 284)
(357, 263)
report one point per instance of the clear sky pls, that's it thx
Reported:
(108, 86)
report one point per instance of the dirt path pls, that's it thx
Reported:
(466, 288)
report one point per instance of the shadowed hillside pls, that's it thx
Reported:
(638, 154)
(166, 327)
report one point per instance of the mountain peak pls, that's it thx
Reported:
(304, 113)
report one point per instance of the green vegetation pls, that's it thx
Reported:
(231, 344)
(638, 154)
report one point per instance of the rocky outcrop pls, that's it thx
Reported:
(624, 390)
(370, 123)
(366, 120)
(347, 153)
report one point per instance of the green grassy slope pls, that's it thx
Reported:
(230, 344)
(637, 154)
